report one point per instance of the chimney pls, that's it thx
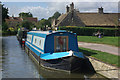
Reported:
(12, 16)
(67, 9)
(100, 10)
(72, 6)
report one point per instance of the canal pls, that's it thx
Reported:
(15, 63)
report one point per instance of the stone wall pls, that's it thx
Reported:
(104, 69)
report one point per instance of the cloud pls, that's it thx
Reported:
(38, 11)
(93, 6)
(59, 0)
(46, 12)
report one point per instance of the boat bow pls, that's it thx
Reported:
(50, 56)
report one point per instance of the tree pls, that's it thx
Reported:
(4, 11)
(56, 15)
(25, 14)
(43, 22)
(4, 26)
(27, 24)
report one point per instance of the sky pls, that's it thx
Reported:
(46, 8)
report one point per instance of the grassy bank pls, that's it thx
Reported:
(102, 56)
(105, 40)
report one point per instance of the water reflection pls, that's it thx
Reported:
(17, 64)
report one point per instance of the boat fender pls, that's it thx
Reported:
(70, 53)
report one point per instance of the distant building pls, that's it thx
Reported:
(13, 21)
(73, 17)
(31, 19)
(16, 21)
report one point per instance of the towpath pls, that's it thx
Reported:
(100, 47)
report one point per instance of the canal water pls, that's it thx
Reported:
(15, 63)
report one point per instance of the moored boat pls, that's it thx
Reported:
(22, 35)
(55, 50)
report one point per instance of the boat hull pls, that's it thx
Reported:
(68, 64)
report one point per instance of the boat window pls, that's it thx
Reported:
(29, 37)
(35, 40)
(40, 42)
(61, 43)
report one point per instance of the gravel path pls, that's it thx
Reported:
(100, 47)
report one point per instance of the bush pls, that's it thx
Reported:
(88, 31)
(7, 33)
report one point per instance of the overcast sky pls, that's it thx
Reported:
(46, 9)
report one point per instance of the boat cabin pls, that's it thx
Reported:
(52, 41)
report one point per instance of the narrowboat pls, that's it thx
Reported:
(22, 35)
(56, 50)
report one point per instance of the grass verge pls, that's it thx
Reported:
(102, 56)
(105, 40)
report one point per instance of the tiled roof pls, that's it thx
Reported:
(14, 19)
(96, 19)
(31, 19)
(59, 20)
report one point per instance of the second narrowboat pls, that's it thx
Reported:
(56, 50)
(22, 35)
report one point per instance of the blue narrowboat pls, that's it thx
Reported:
(55, 49)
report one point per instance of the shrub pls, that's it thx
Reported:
(88, 31)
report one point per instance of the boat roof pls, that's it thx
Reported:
(47, 32)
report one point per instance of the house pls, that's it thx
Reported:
(16, 21)
(73, 17)
(13, 21)
(31, 19)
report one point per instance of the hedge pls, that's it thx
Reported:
(7, 33)
(88, 31)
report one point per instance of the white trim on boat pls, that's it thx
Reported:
(34, 48)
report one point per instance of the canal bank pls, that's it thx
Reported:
(105, 69)
(101, 60)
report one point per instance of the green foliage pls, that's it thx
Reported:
(4, 26)
(42, 23)
(105, 40)
(56, 15)
(27, 24)
(4, 13)
(7, 33)
(25, 14)
(4, 16)
(11, 29)
(88, 31)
